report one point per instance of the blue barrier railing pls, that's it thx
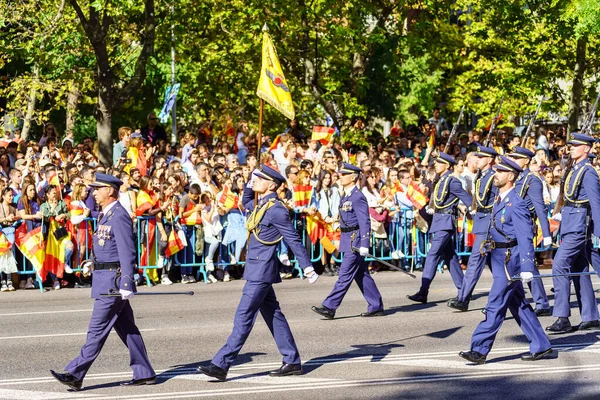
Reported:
(404, 242)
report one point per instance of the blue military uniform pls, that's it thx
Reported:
(580, 217)
(114, 258)
(485, 193)
(512, 252)
(261, 272)
(355, 226)
(447, 193)
(529, 188)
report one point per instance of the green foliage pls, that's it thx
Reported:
(376, 59)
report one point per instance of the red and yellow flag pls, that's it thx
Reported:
(228, 199)
(275, 143)
(540, 235)
(194, 218)
(272, 86)
(144, 203)
(55, 251)
(53, 179)
(5, 245)
(174, 244)
(302, 194)
(316, 227)
(414, 194)
(33, 246)
(323, 134)
(229, 128)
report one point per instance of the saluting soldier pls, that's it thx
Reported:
(114, 257)
(355, 226)
(580, 217)
(485, 193)
(268, 224)
(510, 246)
(529, 188)
(446, 194)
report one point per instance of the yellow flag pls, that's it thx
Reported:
(272, 86)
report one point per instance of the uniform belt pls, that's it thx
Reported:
(449, 211)
(110, 265)
(505, 245)
(484, 210)
(577, 205)
(349, 228)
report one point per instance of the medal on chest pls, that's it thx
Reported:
(103, 234)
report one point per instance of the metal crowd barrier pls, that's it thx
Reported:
(402, 236)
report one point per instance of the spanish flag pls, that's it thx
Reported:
(192, 219)
(323, 134)
(275, 143)
(174, 244)
(228, 199)
(316, 227)
(229, 128)
(540, 235)
(302, 195)
(53, 179)
(76, 210)
(414, 194)
(5, 245)
(55, 251)
(138, 160)
(33, 246)
(272, 86)
(431, 140)
(145, 203)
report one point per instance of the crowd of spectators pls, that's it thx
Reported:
(193, 188)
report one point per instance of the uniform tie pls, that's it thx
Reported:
(100, 216)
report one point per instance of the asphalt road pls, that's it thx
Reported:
(410, 353)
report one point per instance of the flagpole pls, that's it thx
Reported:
(259, 136)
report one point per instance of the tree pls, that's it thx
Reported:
(111, 43)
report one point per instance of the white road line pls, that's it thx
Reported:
(28, 313)
(419, 379)
(374, 359)
(54, 335)
(11, 394)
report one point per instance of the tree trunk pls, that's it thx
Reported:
(31, 102)
(103, 115)
(72, 106)
(578, 72)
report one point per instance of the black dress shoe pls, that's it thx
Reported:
(473, 356)
(140, 382)
(543, 312)
(287, 370)
(417, 298)
(67, 379)
(324, 311)
(588, 325)
(378, 313)
(561, 325)
(536, 356)
(458, 305)
(213, 371)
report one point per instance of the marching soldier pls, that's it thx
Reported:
(485, 193)
(446, 195)
(268, 224)
(580, 216)
(114, 259)
(529, 188)
(510, 246)
(356, 238)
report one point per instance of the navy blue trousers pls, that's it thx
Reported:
(258, 296)
(355, 269)
(505, 295)
(112, 312)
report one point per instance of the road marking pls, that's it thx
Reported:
(55, 335)
(263, 379)
(419, 379)
(28, 395)
(28, 313)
